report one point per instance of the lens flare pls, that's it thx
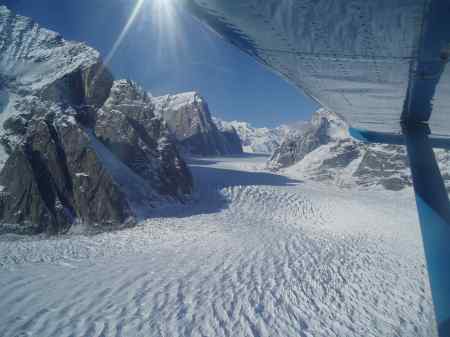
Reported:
(166, 23)
(136, 10)
(159, 23)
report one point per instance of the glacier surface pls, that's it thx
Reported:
(256, 254)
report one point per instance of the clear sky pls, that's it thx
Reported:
(167, 51)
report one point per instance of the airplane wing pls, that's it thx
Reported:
(382, 65)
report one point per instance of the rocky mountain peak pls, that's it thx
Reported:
(336, 127)
(124, 92)
(325, 152)
(127, 125)
(257, 140)
(56, 63)
(76, 147)
(189, 120)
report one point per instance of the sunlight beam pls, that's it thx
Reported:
(136, 10)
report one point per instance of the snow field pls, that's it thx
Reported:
(255, 254)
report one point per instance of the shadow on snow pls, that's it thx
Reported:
(209, 181)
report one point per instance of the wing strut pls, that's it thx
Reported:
(433, 207)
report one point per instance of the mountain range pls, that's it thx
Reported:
(78, 146)
(261, 140)
(325, 152)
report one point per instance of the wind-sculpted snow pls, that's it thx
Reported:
(257, 254)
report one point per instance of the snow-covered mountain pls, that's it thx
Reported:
(38, 62)
(189, 119)
(76, 147)
(326, 152)
(260, 140)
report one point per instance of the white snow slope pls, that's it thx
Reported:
(257, 254)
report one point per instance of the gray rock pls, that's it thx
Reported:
(325, 152)
(189, 120)
(127, 125)
(346, 152)
(231, 142)
(55, 178)
(294, 149)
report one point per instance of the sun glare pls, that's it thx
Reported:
(136, 10)
(165, 22)
(159, 18)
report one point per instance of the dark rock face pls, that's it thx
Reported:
(293, 150)
(61, 181)
(127, 125)
(86, 86)
(189, 120)
(387, 164)
(232, 142)
(346, 152)
(22, 208)
(56, 174)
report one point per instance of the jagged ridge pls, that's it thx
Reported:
(326, 152)
(56, 172)
(261, 140)
(189, 119)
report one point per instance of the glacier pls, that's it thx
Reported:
(257, 254)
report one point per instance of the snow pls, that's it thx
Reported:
(176, 102)
(260, 140)
(256, 254)
(33, 57)
(7, 110)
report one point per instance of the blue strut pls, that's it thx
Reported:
(433, 206)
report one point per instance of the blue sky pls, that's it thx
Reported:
(172, 52)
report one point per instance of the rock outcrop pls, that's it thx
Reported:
(294, 149)
(56, 98)
(189, 120)
(231, 141)
(127, 125)
(54, 177)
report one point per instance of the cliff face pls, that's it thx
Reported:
(76, 147)
(190, 121)
(127, 125)
(232, 143)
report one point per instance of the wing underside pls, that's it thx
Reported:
(354, 57)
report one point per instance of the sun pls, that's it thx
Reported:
(163, 17)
